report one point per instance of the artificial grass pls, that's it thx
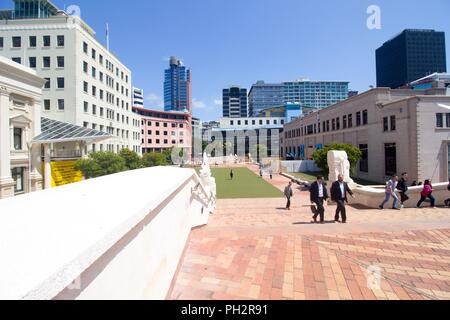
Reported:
(245, 184)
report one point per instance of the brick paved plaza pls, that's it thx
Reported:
(254, 249)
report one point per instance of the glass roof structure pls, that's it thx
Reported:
(56, 131)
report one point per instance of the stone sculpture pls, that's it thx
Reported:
(338, 164)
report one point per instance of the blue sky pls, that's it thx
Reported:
(241, 41)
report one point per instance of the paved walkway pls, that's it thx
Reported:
(254, 249)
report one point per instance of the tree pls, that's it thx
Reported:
(321, 156)
(259, 151)
(153, 159)
(132, 159)
(100, 164)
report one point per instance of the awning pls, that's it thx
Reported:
(54, 131)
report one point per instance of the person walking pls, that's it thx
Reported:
(339, 192)
(231, 174)
(390, 192)
(288, 194)
(427, 192)
(318, 195)
(402, 187)
(271, 173)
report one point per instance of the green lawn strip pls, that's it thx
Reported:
(245, 185)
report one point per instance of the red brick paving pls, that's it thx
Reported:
(252, 249)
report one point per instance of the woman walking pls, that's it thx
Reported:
(427, 192)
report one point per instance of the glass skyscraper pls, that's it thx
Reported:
(263, 96)
(411, 55)
(177, 87)
(315, 94)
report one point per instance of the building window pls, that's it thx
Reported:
(60, 41)
(390, 157)
(17, 60)
(333, 124)
(1, 43)
(85, 87)
(46, 41)
(32, 62)
(46, 62)
(32, 41)
(447, 120)
(18, 139)
(16, 42)
(85, 47)
(60, 104)
(344, 122)
(61, 83)
(393, 123)
(86, 107)
(385, 124)
(47, 105)
(364, 162)
(338, 123)
(231, 122)
(358, 119)
(365, 117)
(85, 67)
(60, 62)
(350, 120)
(47, 83)
(94, 54)
(94, 109)
(17, 175)
(94, 72)
(439, 120)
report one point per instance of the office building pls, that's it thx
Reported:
(162, 130)
(264, 95)
(399, 130)
(177, 87)
(87, 85)
(315, 94)
(235, 102)
(435, 80)
(138, 97)
(409, 56)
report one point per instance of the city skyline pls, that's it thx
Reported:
(205, 42)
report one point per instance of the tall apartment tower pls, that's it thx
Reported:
(86, 85)
(177, 87)
(411, 55)
(235, 102)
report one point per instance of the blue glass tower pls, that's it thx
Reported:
(177, 87)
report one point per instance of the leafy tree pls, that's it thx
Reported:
(132, 159)
(321, 156)
(100, 164)
(153, 159)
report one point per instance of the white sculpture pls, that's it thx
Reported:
(206, 177)
(338, 164)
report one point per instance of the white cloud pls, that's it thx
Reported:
(154, 100)
(198, 104)
(218, 102)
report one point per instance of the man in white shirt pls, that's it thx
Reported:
(339, 191)
(319, 194)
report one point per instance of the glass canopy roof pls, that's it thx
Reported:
(56, 131)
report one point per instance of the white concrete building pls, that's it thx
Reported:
(87, 85)
(397, 131)
(20, 121)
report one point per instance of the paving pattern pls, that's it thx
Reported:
(254, 249)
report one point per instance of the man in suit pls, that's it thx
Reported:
(319, 194)
(339, 194)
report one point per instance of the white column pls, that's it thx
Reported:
(6, 182)
(47, 167)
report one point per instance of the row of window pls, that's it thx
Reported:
(17, 42)
(165, 141)
(165, 124)
(46, 62)
(121, 133)
(166, 133)
(260, 122)
(110, 147)
(109, 65)
(362, 119)
(110, 98)
(110, 114)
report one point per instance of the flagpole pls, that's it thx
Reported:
(107, 36)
